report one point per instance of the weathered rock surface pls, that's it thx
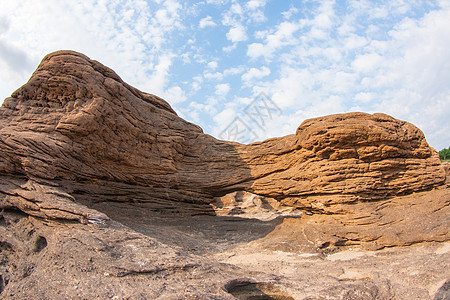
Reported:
(344, 158)
(399, 221)
(77, 120)
(64, 260)
(82, 153)
(247, 205)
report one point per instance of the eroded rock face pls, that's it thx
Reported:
(80, 150)
(76, 120)
(344, 158)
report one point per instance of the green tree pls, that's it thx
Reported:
(444, 154)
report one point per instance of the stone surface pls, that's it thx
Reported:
(106, 193)
(446, 167)
(400, 221)
(247, 205)
(342, 159)
(415, 272)
(444, 292)
(76, 120)
(62, 260)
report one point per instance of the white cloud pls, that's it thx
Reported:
(415, 77)
(237, 34)
(121, 34)
(257, 16)
(255, 10)
(236, 8)
(379, 13)
(186, 57)
(367, 62)
(223, 119)
(233, 71)
(364, 97)
(4, 24)
(254, 73)
(217, 2)
(174, 95)
(404, 76)
(281, 37)
(318, 34)
(444, 3)
(251, 12)
(195, 86)
(212, 65)
(353, 41)
(160, 75)
(254, 4)
(222, 89)
(293, 88)
(209, 107)
(232, 16)
(325, 16)
(256, 50)
(288, 14)
(194, 116)
(206, 22)
(14, 58)
(213, 76)
(229, 48)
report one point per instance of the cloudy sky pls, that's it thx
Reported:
(210, 59)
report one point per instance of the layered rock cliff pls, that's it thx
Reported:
(75, 120)
(80, 150)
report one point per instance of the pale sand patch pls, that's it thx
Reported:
(351, 274)
(349, 255)
(444, 249)
(264, 256)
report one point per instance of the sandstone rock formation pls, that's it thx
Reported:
(77, 120)
(81, 150)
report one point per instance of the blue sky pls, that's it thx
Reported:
(210, 59)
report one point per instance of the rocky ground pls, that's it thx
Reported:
(312, 256)
(105, 193)
(172, 255)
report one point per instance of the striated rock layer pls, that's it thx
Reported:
(76, 120)
(81, 151)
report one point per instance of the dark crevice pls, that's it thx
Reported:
(2, 221)
(2, 285)
(5, 246)
(249, 290)
(40, 244)
(27, 270)
(169, 270)
(324, 245)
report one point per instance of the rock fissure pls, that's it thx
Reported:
(159, 270)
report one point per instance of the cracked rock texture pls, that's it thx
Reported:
(106, 193)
